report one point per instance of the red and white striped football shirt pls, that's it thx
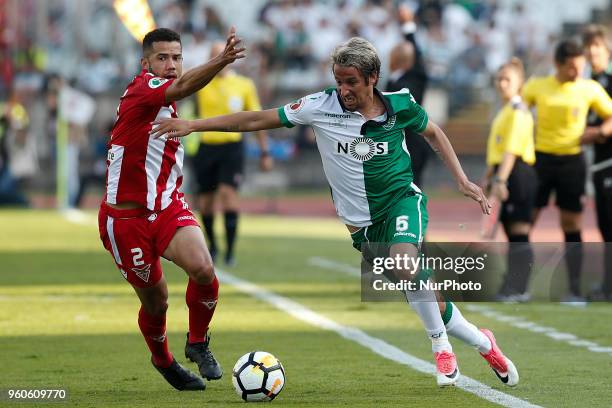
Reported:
(140, 168)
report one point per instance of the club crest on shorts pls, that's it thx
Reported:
(143, 273)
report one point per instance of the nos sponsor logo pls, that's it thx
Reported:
(362, 148)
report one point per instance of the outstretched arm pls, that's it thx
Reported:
(441, 145)
(196, 78)
(248, 121)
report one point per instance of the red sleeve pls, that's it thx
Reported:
(151, 90)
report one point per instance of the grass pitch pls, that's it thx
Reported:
(68, 320)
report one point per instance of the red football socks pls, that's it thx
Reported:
(201, 300)
(153, 328)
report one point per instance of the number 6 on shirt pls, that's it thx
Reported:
(401, 223)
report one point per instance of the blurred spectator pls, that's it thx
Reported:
(325, 38)
(28, 79)
(196, 50)
(407, 70)
(310, 13)
(434, 42)
(98, 73)
(532, 38)
(10, 193)
(95, 166)
(407, 67)
(215, 29)
(372, 20)
(173, 16)
(457, 24)
(22, 146)
(468, 72)
(52, 87)
(295, 46)
(18, 159)
(279, 15)
(497, 45)
(77, 109)
(523, 30)
(373, 16)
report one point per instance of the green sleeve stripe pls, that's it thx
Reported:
(423, 123)
(283, 118)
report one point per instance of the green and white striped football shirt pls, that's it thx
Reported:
(366, 162)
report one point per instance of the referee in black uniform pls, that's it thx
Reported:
(598, 54)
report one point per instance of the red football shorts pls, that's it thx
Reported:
(137, 238)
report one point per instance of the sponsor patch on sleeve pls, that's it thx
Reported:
(295, 107)
(157, 82)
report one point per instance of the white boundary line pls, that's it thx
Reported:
(521, 323)
(336, 266)
(79, 217)
(374, 344)
(514, 321)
